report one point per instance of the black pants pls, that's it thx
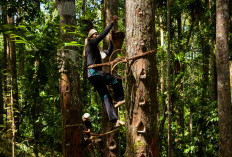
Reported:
(99, 80)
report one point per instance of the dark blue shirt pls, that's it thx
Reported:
(93, 55)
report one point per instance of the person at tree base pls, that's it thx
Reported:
(98, 78)
(87, 130)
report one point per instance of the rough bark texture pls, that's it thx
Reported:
(70, 84)
(109, 142)
(9, 50)
(224, 96)
(9, 46)
(141, 94)
(110, 9)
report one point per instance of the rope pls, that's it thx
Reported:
(119, 60)
(109, 132)
(73, 125)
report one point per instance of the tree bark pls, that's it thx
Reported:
(9, 50)
(109, 142)
(70, 84)
(223, 76)
(141, 90)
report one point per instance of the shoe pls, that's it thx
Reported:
(119, 103)
(119, 123)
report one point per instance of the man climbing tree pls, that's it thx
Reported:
(98, 78)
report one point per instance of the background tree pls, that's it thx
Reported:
(70, 83)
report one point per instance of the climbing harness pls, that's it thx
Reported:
(93, 135)
(119, 60)
(74, 125)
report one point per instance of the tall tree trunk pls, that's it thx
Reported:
(191, 103)
(223, 75)
(180, 82)
(213, 70)
(35, 110)
(169, 81)
(162, 82)
(110, 142)
(141, 90)
(83, 7)
(203, 99)
(9, 50)
(70, 84)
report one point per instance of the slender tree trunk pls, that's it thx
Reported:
(70, 84)
(85, 84)
(162, 82)
(1, 83)
(213, 68)
(83, 7)
(203, 98)
(1, 93)
(169, 81)
(231, 78)
(6, 75)
(141, 90)
(110, 141)
(35, 110)
(223, 75)
(180, 82)
(1, 99)
(191, 103)
(9, 50)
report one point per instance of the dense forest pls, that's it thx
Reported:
(174, 59)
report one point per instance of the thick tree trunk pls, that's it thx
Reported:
(141, 90)
(109, 142)
(223, 75)
(70, 84)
